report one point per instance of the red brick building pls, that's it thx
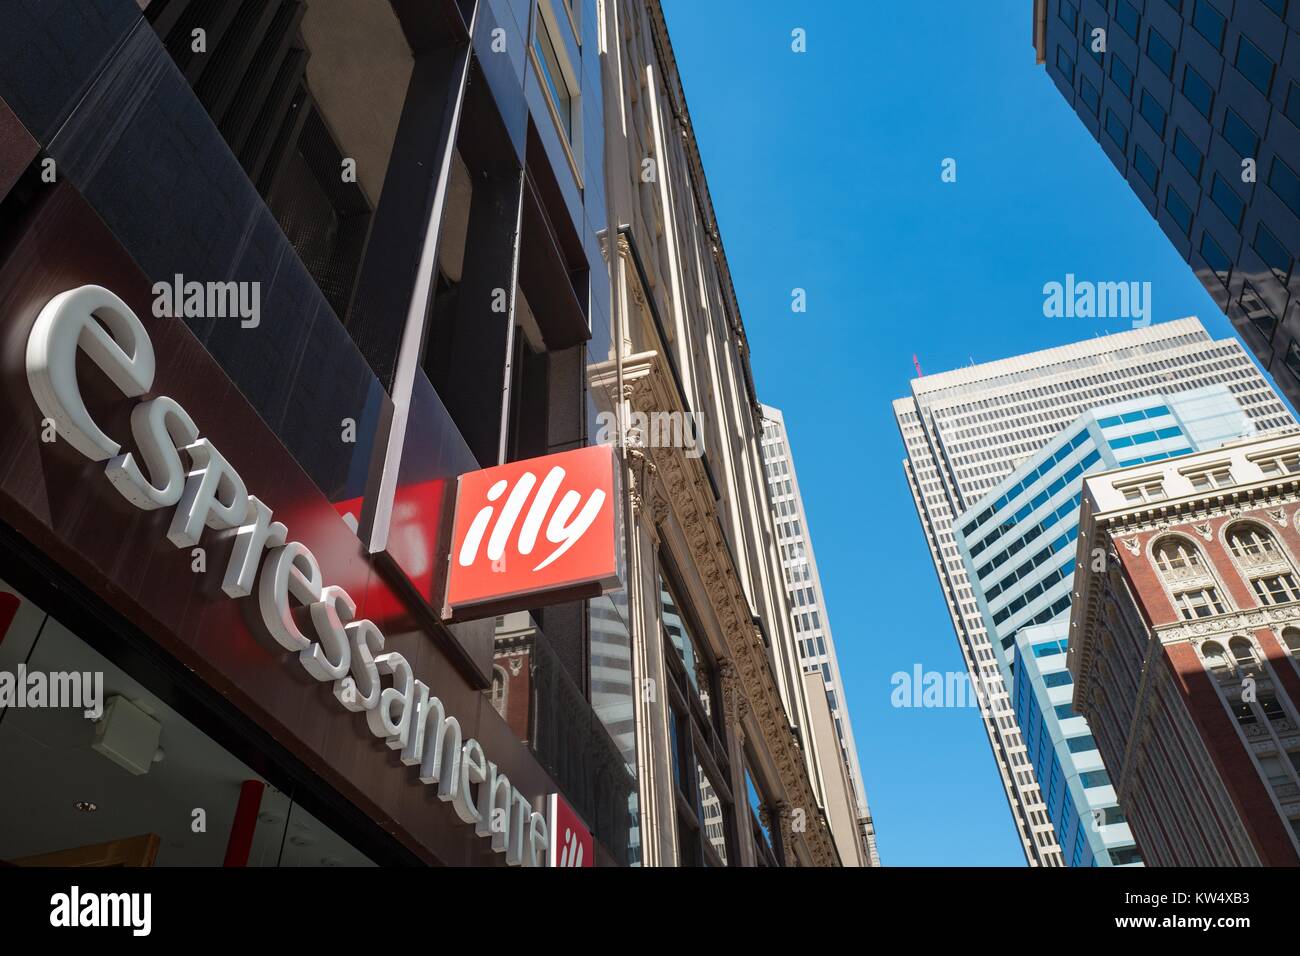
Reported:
(1185, 650)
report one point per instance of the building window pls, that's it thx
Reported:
(1220, 477)
(1153, 113)
(1254, 65)
(1215, 657)
(1276, 589)
(1273, 253)
(1198, 92)
(1228, 201)
(1208, 22)
(1069, 14)
(1284, 182)
(1292, 107)
(499, 690)
(548, 61)
(1122, 75)
(1292, 359)
(1197, 603)
(1151, 489)
(1260, 315)
(1145, 167)
(1161, 53)
(1291, 638)
(1089, 95)
(1065, 64)
(1175, 555)
(1188, 154)
(1238, 134)
(1094, 778)
(1083, 744)
(1127, 17)
(1251, 542)
(1282, 463)
(1215, 257)
(1179, 211)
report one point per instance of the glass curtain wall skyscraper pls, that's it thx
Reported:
(1197, 104)
(965, 431)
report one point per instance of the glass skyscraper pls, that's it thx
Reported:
(1197, 103)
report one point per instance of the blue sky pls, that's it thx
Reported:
(824, 168)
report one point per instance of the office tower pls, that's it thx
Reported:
(1017, 546)
(965, 431)
(809, 616)
(1197, 103)
(1184, 645)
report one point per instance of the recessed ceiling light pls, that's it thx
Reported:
(85, 806)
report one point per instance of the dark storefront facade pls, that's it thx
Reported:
(1197, 103)
(363, 242)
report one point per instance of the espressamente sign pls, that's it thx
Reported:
(174, 466)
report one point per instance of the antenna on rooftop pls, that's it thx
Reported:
(917, 363)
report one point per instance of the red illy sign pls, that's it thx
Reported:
(541, 529)
(571, 842)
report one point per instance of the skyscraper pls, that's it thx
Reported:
(1197, 103)
(812, 626)
(1017, 545)
(965, 431)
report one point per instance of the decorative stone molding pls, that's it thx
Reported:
(735, 705)
(688, 496)
(1132, 544)
(1234, 622)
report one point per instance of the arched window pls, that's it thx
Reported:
(1250, 541)
(1291, 638)
(1174, 555)
(1242, 652)
(499, 689)
(1214, 656)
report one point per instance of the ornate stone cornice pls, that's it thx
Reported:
(688, 496)
(1233, 622)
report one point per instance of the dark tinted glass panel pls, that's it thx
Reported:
(1254, 65)
(1293, 358)
(1145, 167)
(1198, 92)
(1161, 53)
(1068, 12)
(1153, 113)
(1064, 63)
(1122, 76)
(1227, 200)
(1293, 103)
(1260, 315)
(1116, 130)
(1178, 209)
(1277, 6)
(1273, 253)
(1284, 182)
(1089, 95)
(1187, 153)
(1239, 134)
(1208, 22)
(1127, 16)
(1215, 257)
